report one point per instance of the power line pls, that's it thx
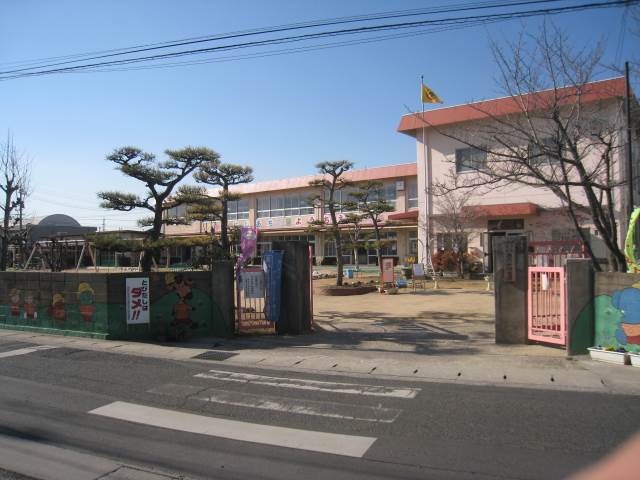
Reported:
(451, 21)
(274, 29)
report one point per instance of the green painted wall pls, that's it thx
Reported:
(183, 305)
(617, 310)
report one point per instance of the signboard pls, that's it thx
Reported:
(387, 270)
(283, 222)
(418, 270)
(137, 300)
(253, 284)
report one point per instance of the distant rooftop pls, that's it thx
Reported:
(358, 175)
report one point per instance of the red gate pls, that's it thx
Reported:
(547, 305)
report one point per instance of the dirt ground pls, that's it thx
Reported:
(456, 318)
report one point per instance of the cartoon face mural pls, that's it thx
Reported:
(181, 309)
(628, 302)
(14, 302)
(57, 310)
(85, 299)
(30, 307)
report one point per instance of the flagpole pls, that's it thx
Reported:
(426, 189)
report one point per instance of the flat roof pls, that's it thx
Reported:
(437, 117)
(358, 175)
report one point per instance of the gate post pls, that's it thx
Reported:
(295, 315)
(510, 270)
(580, 312)
(222, 288)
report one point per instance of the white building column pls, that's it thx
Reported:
(425, 203)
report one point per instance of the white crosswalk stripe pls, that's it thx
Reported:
(303, 384)
(281, 404)
(25, 351)
(337, 444)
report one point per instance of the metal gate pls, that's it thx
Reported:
(547, 317)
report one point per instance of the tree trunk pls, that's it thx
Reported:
(339, 263)
(151, 253)
(224, 220)
(4, 248)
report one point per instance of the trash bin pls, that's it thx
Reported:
(349, 273)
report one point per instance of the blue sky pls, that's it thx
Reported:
(280, 114)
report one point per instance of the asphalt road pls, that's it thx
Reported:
(202, 419)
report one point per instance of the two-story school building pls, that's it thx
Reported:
(511, 208)
(281, 210)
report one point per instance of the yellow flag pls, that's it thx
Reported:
(429, 96)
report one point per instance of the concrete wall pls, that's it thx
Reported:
(510, 277)
(93, 304)
(580, 315)
(616, 310)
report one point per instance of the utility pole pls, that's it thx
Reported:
(103, 224)
(629, 138)
(21, 239)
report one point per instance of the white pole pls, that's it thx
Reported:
(427, 219)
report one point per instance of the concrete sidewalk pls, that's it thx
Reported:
(511, 366)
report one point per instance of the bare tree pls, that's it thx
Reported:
(555, 134)
(455, 220)
(160, 179)
(329, 186)
(15, 176)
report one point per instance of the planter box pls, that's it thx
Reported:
(635, 359)
(607, 356)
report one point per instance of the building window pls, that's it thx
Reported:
(413, 244)
(564, 234)
(412, 194)
(284, 206)
(264, 207)
(505, 224)
(470, 159)
(547, 150)
(329, 248)
(238, 209)
(451, 241)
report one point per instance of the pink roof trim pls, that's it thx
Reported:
(361, 175)
(591, 92)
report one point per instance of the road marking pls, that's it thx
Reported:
(24, 351)
(350, 388)
(337, 444)
(343, 411)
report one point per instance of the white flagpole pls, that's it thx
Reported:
(427, 219)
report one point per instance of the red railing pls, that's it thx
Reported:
(547, 305)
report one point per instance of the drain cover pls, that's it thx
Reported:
(216, 356)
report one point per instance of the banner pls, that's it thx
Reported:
(137, 300)
(248, 240)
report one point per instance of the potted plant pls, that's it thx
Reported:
(609, 354)
(407, 267)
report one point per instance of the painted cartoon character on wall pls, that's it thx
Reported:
(14, 302)
(57, 310)
(181, 309)
(628, 302)
(30, 307)
(85, 299)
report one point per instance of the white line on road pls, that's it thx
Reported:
(350, 388)
(337, 444)
(343, 411)
(24, 351)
